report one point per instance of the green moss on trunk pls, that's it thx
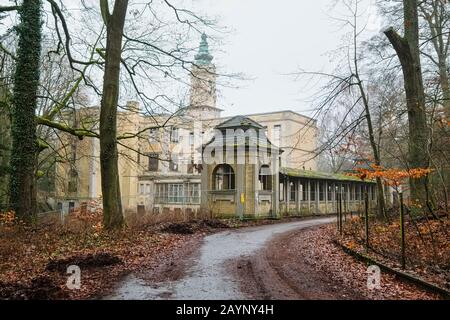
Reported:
(26, 82)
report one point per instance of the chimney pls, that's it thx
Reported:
(133, 106)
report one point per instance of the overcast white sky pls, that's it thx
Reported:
(268, 39)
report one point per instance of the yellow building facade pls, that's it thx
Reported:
(161, 160)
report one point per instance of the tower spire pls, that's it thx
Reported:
(203, 57)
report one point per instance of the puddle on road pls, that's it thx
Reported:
(207, 277)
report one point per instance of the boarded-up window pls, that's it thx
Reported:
(153, 162)
(190, 167)
(71, 206)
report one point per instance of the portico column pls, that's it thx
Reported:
(309, 195)
(317, 197)
(240, 190)
(275, 185)
(348, 197)
(288, 194)
(204, 188)
(256, 188)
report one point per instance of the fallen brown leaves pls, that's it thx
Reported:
(33, 260)
(427, 245)
(342, 275)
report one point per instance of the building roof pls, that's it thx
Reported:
(300, 173)
(203, 57)
(283, 111)
(239, 122)
(255, 140)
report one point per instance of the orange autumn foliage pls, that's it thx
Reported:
(393, 177)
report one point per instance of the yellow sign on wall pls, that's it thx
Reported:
(242, 198)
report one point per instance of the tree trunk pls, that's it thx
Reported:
(445, 85)
(407, 49)
(436, 15)
(23, 131)
(112, 204)
(373, 144)
(5, 143)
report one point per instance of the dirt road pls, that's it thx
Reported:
(209, 272)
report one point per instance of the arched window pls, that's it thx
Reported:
(265, 178)
(223, 176)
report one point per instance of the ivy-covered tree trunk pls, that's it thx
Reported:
(5, 144)
(112, 204)
(408, 52)
(23, 131)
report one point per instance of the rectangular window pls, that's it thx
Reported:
(330, 191)
(177, 193)
(265, 178)
(321, 191)
(281, 191)
(293, 195)
(73, 185)
(161, 193)
(191, 139)
(173, 165)
(277, 135)
(312, 191)
(141, 188)
(153, 162)
(153, 134)
(358, 192)
(194, 193)
(304, 191)
(175, 135)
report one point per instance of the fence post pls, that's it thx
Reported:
(366, 219)
(339, 204)
(337, 215)
(402, 231)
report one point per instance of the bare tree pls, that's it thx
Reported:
(346, 87)
(112, 205)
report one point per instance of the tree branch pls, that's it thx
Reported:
(80, 133)
(9, 8)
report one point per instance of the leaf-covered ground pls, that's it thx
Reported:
(307, 264)
(427, 245)
(34, 260)
(33, 265)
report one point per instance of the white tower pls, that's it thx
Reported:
(203, 85)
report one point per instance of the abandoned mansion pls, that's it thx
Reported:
(257, 165)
